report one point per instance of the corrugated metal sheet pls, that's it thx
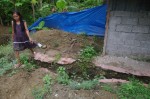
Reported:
(130, 5)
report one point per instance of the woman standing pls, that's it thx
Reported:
(20, 36)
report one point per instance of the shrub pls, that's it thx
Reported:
(39, 92)
(134, 90)
(62, 77)
(87, 53)
(86, 85)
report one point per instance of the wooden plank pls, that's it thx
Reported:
(107, 26)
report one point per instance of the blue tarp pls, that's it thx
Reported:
(90, 21)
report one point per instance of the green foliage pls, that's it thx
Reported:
(6, 50)
(10, 30)
(45, 10)
(134, 90)
(28, 65)
(41, 8)
(86, 85)
(87, 53)
(91, 3)
(57, 57)
(83, 65)
(61, 5)
(40, 26)
(47, 83)
(62, 77)
(6, 59)
(5, 65)
(39, 92)
(14, 71)
(107, 87)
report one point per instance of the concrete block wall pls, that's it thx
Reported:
(129, 34)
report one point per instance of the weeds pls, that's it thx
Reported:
(87, 53)
(85, 58)
(86, 85)
(134, 90)
(63, 77)
(40, 92)
(57, 57)
(29, 65)
(107, 87)
(5, 65)
(7, 52)
(6, 58)
(40, 26)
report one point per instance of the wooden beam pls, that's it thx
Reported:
(107, 26)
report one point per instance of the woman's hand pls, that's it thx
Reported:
(30, 39)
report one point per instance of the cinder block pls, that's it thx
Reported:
(144, 21)
(130, 21)
(139, 14)
(114, 35)
(133, 43)
(122, 13)
(142, 37)
(141, 29)
(124, 28)
(136, 50)
(115, 20)
(127, 36)
(112, 28)
(111, 47)
(145, 44)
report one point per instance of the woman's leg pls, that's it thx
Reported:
(18, 59)
(32, 51)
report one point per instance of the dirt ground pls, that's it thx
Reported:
(63, 43)
(21, 85)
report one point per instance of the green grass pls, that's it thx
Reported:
(63, 77)
(85, 84)
(28, 64)
(87, 53)
(134, 90)
(6, 58)
(40, 92)
(6, 51)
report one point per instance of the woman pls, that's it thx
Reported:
(20, 36)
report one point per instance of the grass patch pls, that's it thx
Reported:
(134, 90)
(6, 58)
(5, 65)
(28, 64)
(85, 84)
(87, 53)
(40, 92)
(63, 77)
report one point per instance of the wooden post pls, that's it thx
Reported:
(107, 26)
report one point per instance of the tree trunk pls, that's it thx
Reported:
(41, 3)
(33, 11)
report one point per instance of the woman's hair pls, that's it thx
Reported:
(21, 21)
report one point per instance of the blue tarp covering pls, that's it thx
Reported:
(90, 21)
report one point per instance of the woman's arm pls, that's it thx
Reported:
(27, 31)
